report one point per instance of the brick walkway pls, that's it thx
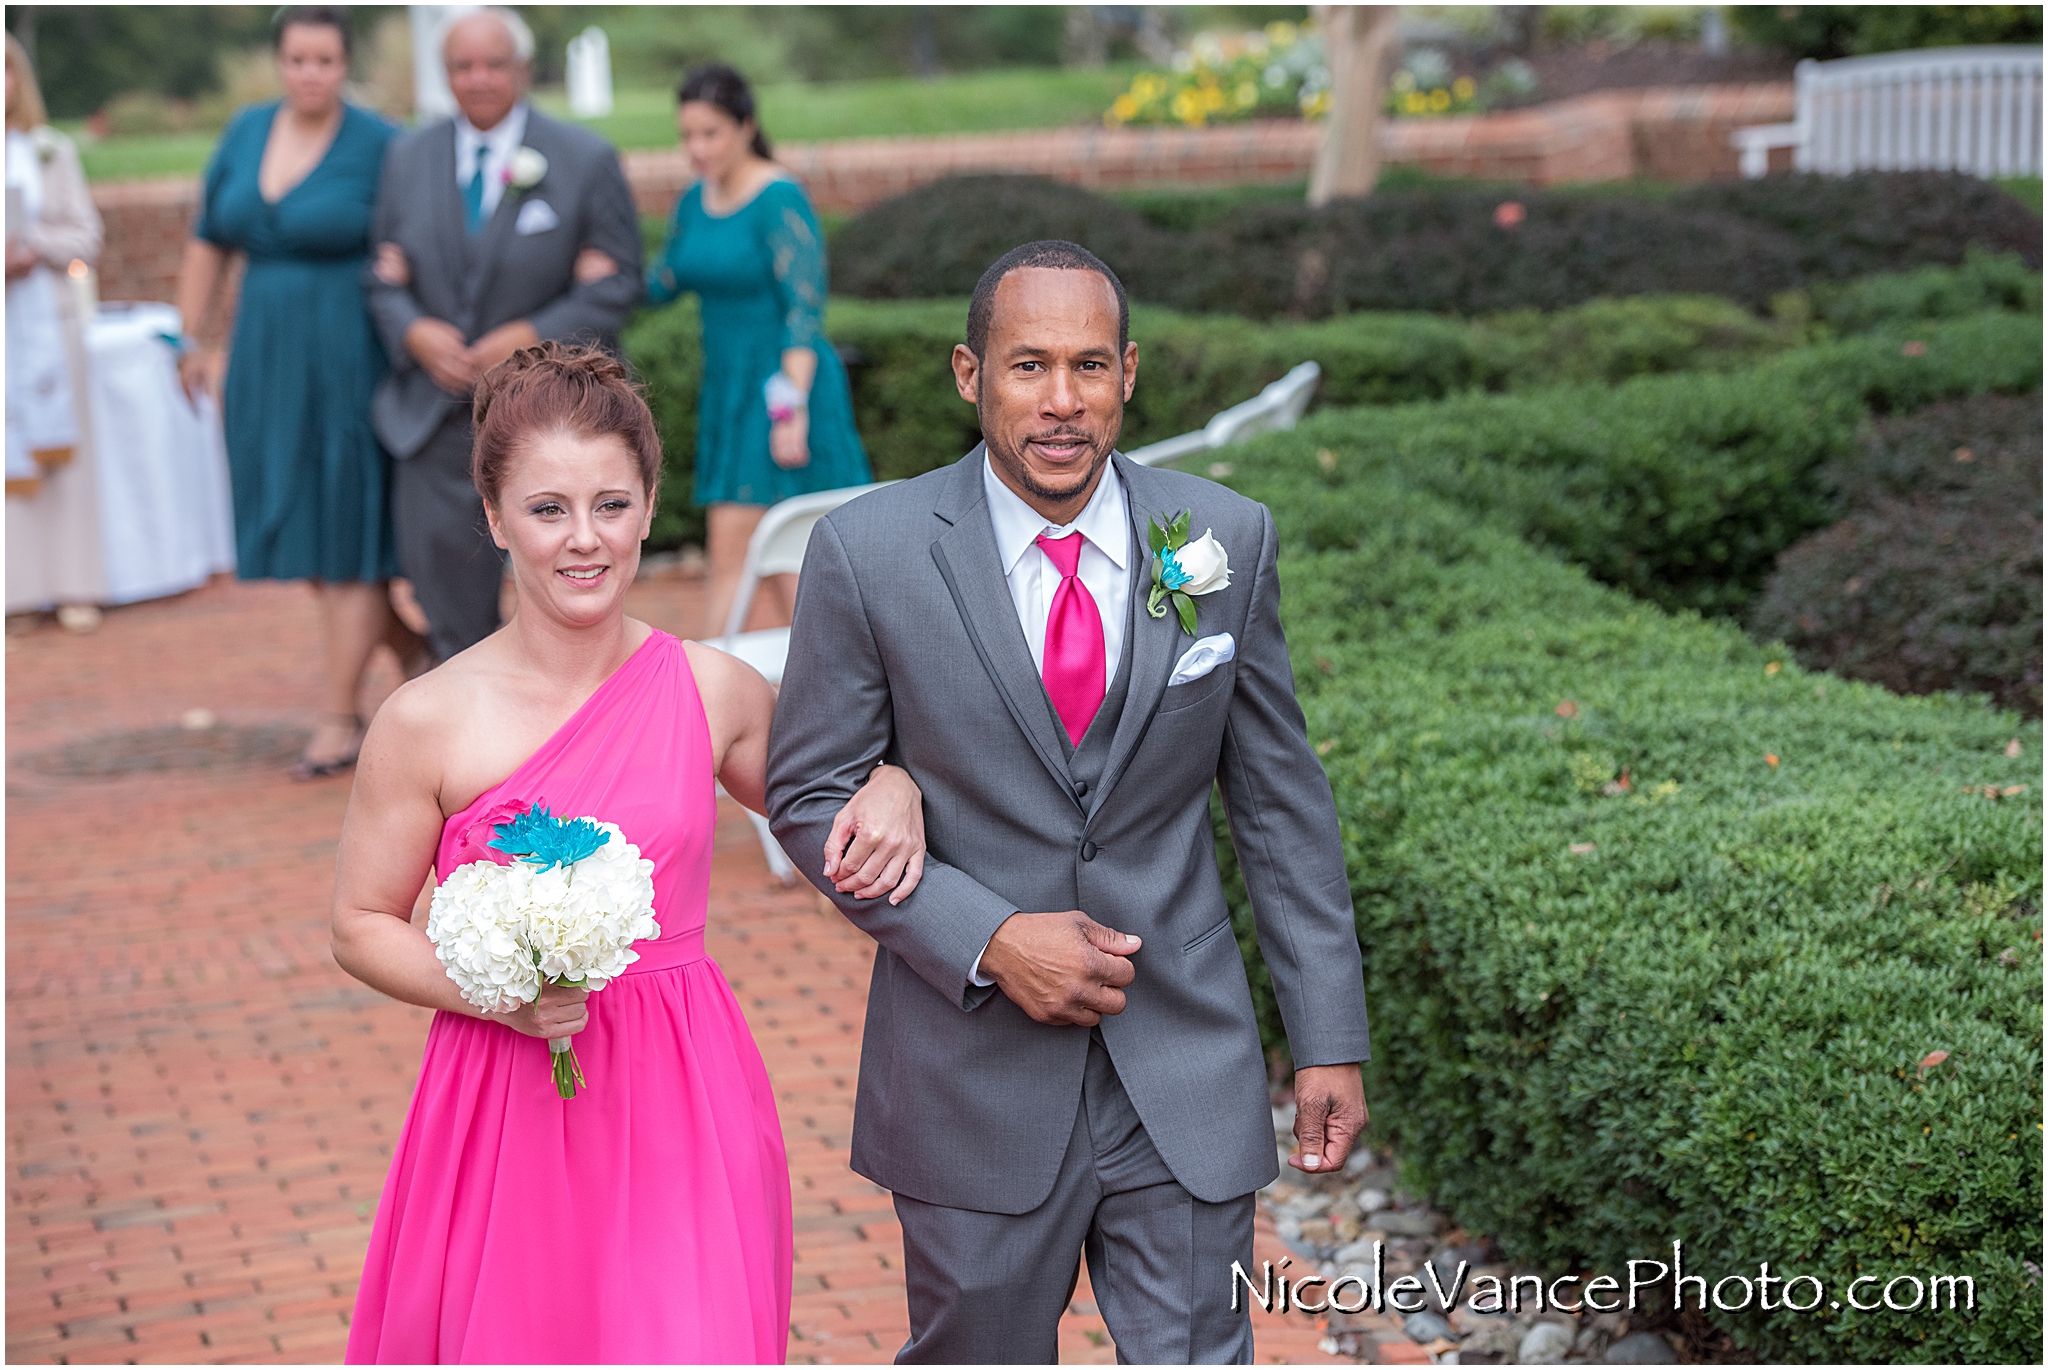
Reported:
(200, 1105)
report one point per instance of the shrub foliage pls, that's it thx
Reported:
(1662, 936)
(1192, 365)
(1441, 248)
(1933, 579)
(1682, 489)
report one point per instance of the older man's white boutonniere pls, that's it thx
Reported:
(528, 166)
(1183, 569)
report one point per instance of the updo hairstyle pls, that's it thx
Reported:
(717, 84)
(559, 388)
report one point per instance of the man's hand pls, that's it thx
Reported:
(500, 343)
(1329, 1116)
(1061, 967)
(438, 347)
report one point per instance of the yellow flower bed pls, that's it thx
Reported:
(1408, 99)
(1221, 78)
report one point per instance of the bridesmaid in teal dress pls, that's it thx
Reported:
(290, 186)
(775, 415)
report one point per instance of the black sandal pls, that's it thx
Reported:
(304, 769)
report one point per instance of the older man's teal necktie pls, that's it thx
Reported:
(473, 194)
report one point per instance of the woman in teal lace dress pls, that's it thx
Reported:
(775, 416)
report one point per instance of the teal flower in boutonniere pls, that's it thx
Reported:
(1183, 569)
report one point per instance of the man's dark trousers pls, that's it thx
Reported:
(444, 543)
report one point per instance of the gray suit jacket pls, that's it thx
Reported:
(906, 646)
(501, 274)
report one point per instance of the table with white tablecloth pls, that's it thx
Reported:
(151, 463)
(166, 517)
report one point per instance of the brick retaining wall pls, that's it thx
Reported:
(1675, 134)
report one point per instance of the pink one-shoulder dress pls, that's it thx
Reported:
(648, 1218)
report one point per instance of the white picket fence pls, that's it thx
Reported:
(1976, 110)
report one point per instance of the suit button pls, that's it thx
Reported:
(1080, 787)
(1087, 851)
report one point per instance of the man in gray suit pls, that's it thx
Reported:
(479, 222)
(1061, 1054)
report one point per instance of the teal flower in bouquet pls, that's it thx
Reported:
(540, 839)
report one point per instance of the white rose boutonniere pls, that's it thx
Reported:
(1182, 569)
(45, 140)
(528, 166)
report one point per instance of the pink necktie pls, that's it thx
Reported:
(1074, 661)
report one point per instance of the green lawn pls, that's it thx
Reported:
(1038, 97)
(2025, 189)
(123, 159)
(1035, 97)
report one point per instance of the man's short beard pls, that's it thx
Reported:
(1012, 463)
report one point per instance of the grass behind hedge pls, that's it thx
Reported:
(1707, 1024)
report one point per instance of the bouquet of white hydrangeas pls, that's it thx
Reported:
(566, 912)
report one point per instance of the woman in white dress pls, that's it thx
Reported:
(53, 524)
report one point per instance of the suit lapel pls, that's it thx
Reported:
(1154, 641)
(973, 571)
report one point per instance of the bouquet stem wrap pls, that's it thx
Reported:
(568, 1073)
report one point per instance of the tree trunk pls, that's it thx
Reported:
(1356, 38)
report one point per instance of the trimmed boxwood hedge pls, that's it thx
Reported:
(911, 418)
(1932, 580)
(1984, 281)
(1439, 248)
(1659, 929)
(1683, 489)
(1193, 365)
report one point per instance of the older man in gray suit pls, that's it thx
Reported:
(480, 221)
(1061, 1054)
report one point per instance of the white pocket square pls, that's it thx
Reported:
(535, 216)
(1202, 658)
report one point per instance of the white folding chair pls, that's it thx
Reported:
(777, 548)
(1279, 406)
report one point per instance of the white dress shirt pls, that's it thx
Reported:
(497, 145)
(1104, 567)
(1105, 527)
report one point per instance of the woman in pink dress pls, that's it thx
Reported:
(648, 1218)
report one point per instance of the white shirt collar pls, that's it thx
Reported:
(503, 139)
(1104, 520)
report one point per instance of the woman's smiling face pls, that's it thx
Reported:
(571, 511)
